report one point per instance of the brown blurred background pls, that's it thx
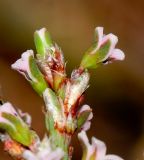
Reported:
(116, 93)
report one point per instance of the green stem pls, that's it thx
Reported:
(57, 139)
(61, 140)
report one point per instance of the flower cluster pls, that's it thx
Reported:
(63, 96)
(47, 76)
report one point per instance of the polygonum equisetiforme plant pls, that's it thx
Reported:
(64, 115)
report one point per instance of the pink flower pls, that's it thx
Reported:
(87, 123)
(103, 51)
(113, 53)
(22, 65)
(7, 108)
(96, 150)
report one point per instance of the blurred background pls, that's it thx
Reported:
(116, 91)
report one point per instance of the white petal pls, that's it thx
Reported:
(90, 116)
(23, 62)
(22, 65)
(84, 140)
(55, 155)
(28, 155)
(112, 157)
(100, 148)
(8, 108)
(83, 137)
(99, 34)
(86, 126)
(113, 40)
(84, 108)
(117, 54)
(26, 117)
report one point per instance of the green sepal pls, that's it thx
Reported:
(17, 129)
(82, 118)
(42, 41)
(57, 139)
(94, 57)
(38, 83)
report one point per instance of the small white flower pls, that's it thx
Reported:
(113, 53)
(87, 124)
(7, 108)
(103, 50)
(44, 152)
(22, 65)
(96, 150)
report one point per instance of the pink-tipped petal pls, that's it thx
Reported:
(99, 35)
(100, 148)
(90, 116)
(112, 157)
(22, 65)
(96, 150)
(113, 41)
(117, 55)
(84, 141)
(8, 108)
(86, 126)
(84, 108)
